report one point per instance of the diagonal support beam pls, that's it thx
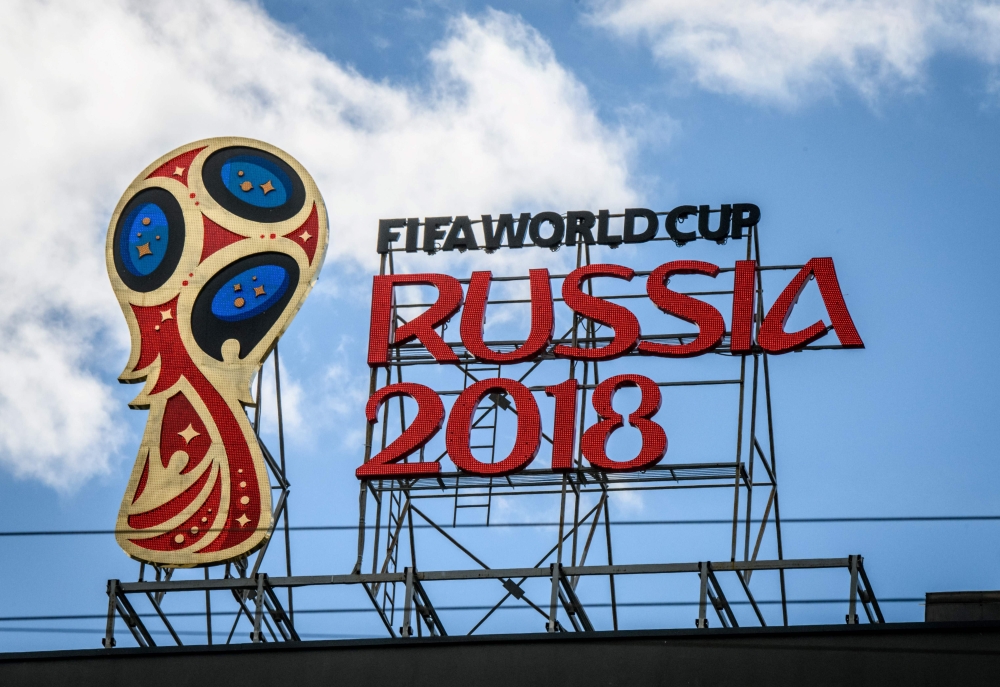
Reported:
(720, 603)
(868, 596)
(378, 608)
(281, 619)
(163, 617)
(426, 610)
(572, 603)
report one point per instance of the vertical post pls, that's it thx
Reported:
(109, 634)
(413, 546)
(363, 496)
(378, 524)
(553, 623)
(852, 606)
(257, 410)
(577, 321)
(284, 476)
(556, 569)
(406, 630)
(611, 561)
(259, 611)
(551, 626)
(702, 621)
(208, 612)
(770, 429)
(777, 507)
(752, 457)
(739, 450)
(739, 455)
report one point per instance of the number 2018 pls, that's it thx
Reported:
(390, 462)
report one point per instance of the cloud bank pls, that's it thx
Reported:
(93, 92)
(787, 51)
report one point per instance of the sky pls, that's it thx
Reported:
(865, 131)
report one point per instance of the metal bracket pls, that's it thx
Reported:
(259, 601)
(852, 607)
(406, 630)
(117, 601)
(702, 621)
(553, 623)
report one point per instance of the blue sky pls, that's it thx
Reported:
(875, 146)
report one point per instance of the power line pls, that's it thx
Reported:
(622, 523)
(369, 609)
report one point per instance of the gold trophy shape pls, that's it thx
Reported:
(211, 251)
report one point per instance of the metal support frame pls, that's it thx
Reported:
(469, 491)
(267, 613)
(393, 547)
(261, 590)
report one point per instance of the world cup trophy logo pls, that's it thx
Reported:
(211, 252)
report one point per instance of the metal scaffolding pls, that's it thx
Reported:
(386, 563)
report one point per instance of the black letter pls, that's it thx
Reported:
(412, 229)
(505, 223)
(579, 222)
(553, 218)
(680, 213)
(468, 239)
(739, 221)
(432, 233)
(603, 237)
(720, 234)
(385, 233)
(652, 224)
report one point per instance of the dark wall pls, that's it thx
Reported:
(902, 654)
(948, 607)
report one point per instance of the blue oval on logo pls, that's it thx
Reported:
(250, 293)
(256, 180)
(144, 239)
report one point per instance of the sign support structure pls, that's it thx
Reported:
(395, 501)
(258, 603)
(395, 514)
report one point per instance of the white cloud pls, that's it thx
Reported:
(57, 421)
(787, 50)
(92, 92)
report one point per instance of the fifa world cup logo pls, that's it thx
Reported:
(211, 252)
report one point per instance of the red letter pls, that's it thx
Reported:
(422, 326)
(564, 424)
(709, 321)
(620, 319)
(740, 337)
(529, 428)
(654, 439)
(474, 314)
(430, 416)
(774, 339)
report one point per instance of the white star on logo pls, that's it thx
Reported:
(189, 434)
(243, 520)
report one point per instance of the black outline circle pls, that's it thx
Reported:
(211, 176)
(210, 332)
(175, 243)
